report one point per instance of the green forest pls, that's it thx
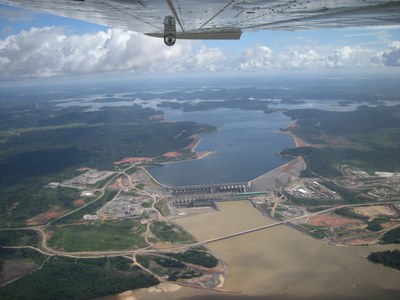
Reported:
(41, 143)
(68, 278)
(387, 258)
(368, 137)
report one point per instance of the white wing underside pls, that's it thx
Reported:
(221, 19)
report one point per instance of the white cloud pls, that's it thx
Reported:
(260, 58)
(392, 56)
(257, 58)
(297, 59)
(349, 57)
(49, 51)
(208, 59)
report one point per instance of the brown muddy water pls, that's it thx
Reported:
(279, 263)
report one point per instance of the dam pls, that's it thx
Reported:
(271, 180)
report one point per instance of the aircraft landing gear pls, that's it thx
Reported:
(169, 31)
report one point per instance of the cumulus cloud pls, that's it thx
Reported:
(48, 51)
(300, 59)
(392, 57)
(257, 58)
(260, 58)
(348, 57)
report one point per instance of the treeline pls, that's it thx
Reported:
(387, 258)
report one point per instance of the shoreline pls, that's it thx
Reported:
(297, 141)
(192, 147)
(201, 155)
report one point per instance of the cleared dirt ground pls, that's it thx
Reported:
(376, 210)
(13, 269)
(54, 212)
(332, 221)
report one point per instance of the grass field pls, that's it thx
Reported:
(169, 233)
(162, 206)
(107, 235)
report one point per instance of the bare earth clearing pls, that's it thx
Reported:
(13, 269)
(332, 221)
(53, 213)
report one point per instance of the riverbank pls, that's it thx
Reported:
(297, 141)
(192, 147)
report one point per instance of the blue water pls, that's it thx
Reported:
(244, 147)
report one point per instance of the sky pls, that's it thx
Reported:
(34, 45)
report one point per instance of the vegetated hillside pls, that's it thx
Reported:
(368, 137)
(41, 142)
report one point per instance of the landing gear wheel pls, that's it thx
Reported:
(169, 31)
(169, 39)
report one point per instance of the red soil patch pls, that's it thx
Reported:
(299, 142)
(172, 154)
(79, 202)
(53, 213)
(193, 145)
(332, 221)
(118, 183)
(133, 160)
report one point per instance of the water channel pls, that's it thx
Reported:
(279, 263)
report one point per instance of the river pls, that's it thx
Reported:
(280, 262)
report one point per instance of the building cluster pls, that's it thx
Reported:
(302, 189)
(123, 206)
(380, 186)
(290, 211)
(89, 177)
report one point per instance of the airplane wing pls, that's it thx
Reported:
(219, 19)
